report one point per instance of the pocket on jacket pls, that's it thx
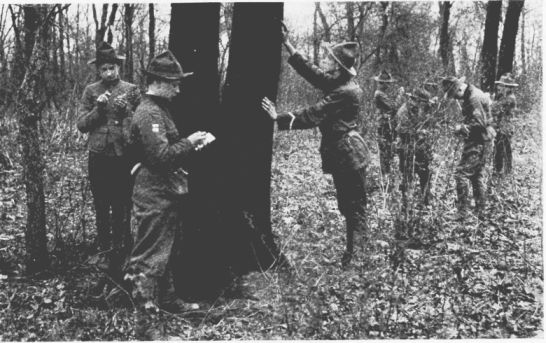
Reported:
(97, 139)
(352, 152)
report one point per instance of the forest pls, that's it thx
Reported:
(261, 251)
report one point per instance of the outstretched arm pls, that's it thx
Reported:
(310, 72)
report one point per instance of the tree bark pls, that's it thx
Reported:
(151, 30)
(103, 30)
(350, 13)
(316, 38)
(249, 132)
(446, 47)
(128, 18)
(488, 57)
(509, 34)
(382, 31)
(28, 108)
(325, 27)
(200, 273)
(62, 63)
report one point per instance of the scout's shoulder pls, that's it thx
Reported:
(145, 110)
(94, 87)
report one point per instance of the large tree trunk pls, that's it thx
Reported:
(509, 33)
(488, 57)
(253, 73)
(229, 180)
(28, 108)
(128, 20)
(200, 272)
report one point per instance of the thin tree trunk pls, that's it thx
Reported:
(28, 108)
(351, 32)
(325, 27)
(509, 34)
(382, 31)
(62, 64)
(151, 30)
(128, 20)
(523, 61)
(316, 38)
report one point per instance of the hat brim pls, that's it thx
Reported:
(166, 77)
(118, 59)
(500, 83)
(351, 70)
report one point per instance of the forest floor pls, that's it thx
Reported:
(480, 278)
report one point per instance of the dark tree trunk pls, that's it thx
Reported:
(316, 38)
(325, 27)
(509, 33)
(28, 108)
(104, 29)
(351, 32)
(229, 180)
(151, 30)
(446, 48)
(382, 31)
(128, 20)
(248, 130)
(488, 57)
(200, 272)
(62, 63)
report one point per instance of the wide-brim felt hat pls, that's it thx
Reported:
(106, 54)
(506, 80)
(165, 66)
(449, 82)
(384, 76)
(345, 54)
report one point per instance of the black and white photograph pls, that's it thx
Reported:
(291, 170)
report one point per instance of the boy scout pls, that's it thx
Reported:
(477, 133)
(338, 117)
(414, 126)
(385, 109)
(105, 112)
(160, 187)
(503, 110)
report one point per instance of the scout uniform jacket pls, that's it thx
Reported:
(476, 115)
(158, 146)
(503, 112)
(337, 115)
(108, 127)
(414, 128)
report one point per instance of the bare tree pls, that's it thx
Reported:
(30, 103)
(151, 30)
(128, 16)
(105, 27)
